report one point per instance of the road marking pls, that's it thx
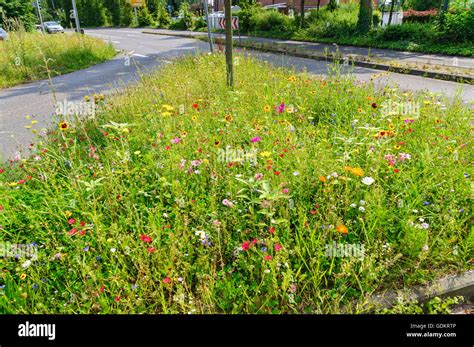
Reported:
(140, 55)
(116, 37)
(115, 41)
(134, 35)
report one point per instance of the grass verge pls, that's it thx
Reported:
(289, 194)
(31, 56)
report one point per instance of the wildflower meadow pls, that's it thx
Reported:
(288, 194)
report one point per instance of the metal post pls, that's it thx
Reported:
(40, 16)
(229, 44)
(209, 35)
(76, 16)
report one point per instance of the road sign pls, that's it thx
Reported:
(235, 23)
(136, 3)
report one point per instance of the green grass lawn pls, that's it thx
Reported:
(181, 195)
(31, 56)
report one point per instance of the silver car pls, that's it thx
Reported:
(3, 34)
(53, 27)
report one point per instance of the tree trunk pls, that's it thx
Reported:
(228, 44)
(391, 12)
(302, 14)
(365, 16)
(319, 3)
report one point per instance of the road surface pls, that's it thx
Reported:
(146, 52)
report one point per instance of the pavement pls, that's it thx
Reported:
(146, 53)
(321, 48)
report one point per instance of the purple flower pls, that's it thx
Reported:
(280, 108)
(256, 139)
(175, 140)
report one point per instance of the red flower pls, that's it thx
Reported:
(1, 208)
(21, 181)
(277, 173)
(83, 232)
(254, 242)
(72, 231)
(168, 147)
(102, 289)
(151, 249)
(278, 247)
(167, 280)
(271, 230)
(117, 298)
(2, 171)
(396, 170)
(195, 106)
(145, 238)
(71, 221)
(313, 212)
(82, 224)
(245, 245)
(267, 257)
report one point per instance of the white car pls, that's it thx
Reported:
(3, 34)
(53, 27)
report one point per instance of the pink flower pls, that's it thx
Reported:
(227, 203)
(286, 190)
(256, 139)
(117, 298)
(258, 176)
(71, 221)
(245, 245)
(176, 140)
(167, 280)
(72, 231)
(278, 247)
(267, 257)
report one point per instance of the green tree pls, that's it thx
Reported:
(144, 17)
(17, 10)
(365, 16)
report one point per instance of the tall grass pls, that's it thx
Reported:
(30, 56)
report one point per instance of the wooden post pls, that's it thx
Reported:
(229, 43)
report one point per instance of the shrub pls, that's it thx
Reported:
(327, 24)
(162, 16)
(144, 17)
(406, 32)
(200, 23)
(457, 26)
(271, 20)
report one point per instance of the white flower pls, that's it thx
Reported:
(425, 248)
(361, 209)
(26, 264)
(353, 205)
(368, 181)
(425, 225)
(113, 250)
(296, 173)
(334, 174)
(362, 202)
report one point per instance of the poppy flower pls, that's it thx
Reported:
(195, 106)
(145, 238)
(342, 229)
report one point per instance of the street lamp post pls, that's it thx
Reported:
(76, 17)
(38, 7)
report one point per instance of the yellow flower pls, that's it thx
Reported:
(355, 171)
(266, 108)
(266, 154)
(360, 110)
(68, 214)
(34, 121)
(292, 78)
(63, 126)
(87, 98)
(229, 118)
(342, 229)
(22, 276)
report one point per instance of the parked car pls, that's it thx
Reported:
(3, 35)
(53, 27)
(38, 28)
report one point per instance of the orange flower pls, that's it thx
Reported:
(342, 229)
(322, 178)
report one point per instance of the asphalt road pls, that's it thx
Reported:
(147, 52)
